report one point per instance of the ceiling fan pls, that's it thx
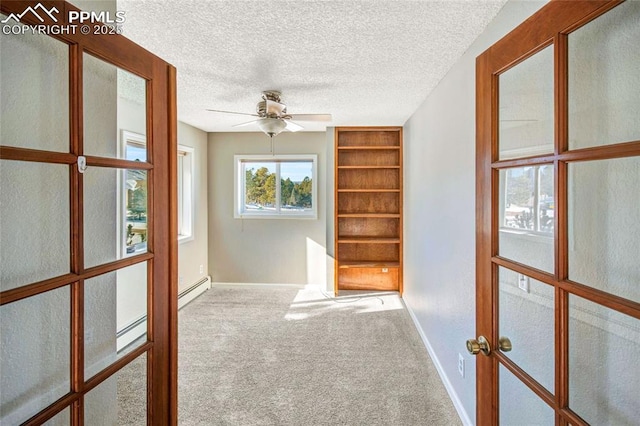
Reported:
(273, 117)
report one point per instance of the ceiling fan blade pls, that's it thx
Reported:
(275, 108)
(248, 123)
(311, 117)
(293, 127)
(233, 112)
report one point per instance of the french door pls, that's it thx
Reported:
(88, 224)
(558, 229)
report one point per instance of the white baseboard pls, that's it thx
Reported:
(221, 284)
(462, 413)
(138, 327)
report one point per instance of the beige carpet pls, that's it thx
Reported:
(275, 355)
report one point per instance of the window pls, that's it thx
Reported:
(134, 196)
(276, 186)
(186, 198)
(528, 199)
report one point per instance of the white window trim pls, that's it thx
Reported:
(186, 230)
(239, 185)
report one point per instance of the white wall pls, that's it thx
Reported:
(330, 233)
(439, 211)
(284, 251)
(195, 252)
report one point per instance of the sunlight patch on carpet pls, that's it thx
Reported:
(311, 302)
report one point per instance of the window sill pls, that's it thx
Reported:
(185, 238)
(276, 216)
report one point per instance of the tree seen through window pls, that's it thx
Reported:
(296, 186)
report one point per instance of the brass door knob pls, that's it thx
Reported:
(481, 345)
(504, 344)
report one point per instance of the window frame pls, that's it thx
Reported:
(127, 138)
(239, 186)
(186, 208)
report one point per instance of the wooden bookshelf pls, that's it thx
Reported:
(368, 208)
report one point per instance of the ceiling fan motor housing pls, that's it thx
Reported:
(272, 95)
(270, 106)
(272, 115)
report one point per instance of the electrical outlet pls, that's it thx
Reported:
(88, 335)
(202, 269)
(461, 365)
(523, 283)
(181, 279)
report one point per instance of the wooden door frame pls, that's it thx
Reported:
(549, 26)
(162, 254)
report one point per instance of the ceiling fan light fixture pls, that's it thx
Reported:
(272, 126)
(272, 115)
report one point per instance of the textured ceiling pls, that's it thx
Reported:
(364, 62)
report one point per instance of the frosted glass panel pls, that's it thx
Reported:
(526, 214)
(63, 418)
(121, 399)
(115, 214)
(114, 107)
(604, 230)
(604, 82)
(35, 335)
(526, 309)
(34, 222)
(519, 405)
(112, 333)
(604, 378)
(526, 107)
(34, 76)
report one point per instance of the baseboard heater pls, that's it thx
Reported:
(138, 327)
(187, 295)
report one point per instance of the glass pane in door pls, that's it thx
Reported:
(525, 122)
(115, 214)
(115, 103)
(526, 317)
(604, 82)
(604, 225)
(63, 418)
(121, 399)
(34, 76)
(34, 222)
(35, 354)
(519, 405)
(526, 214)
(112, 333)
(604, 377)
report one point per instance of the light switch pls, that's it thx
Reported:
(523, 282)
